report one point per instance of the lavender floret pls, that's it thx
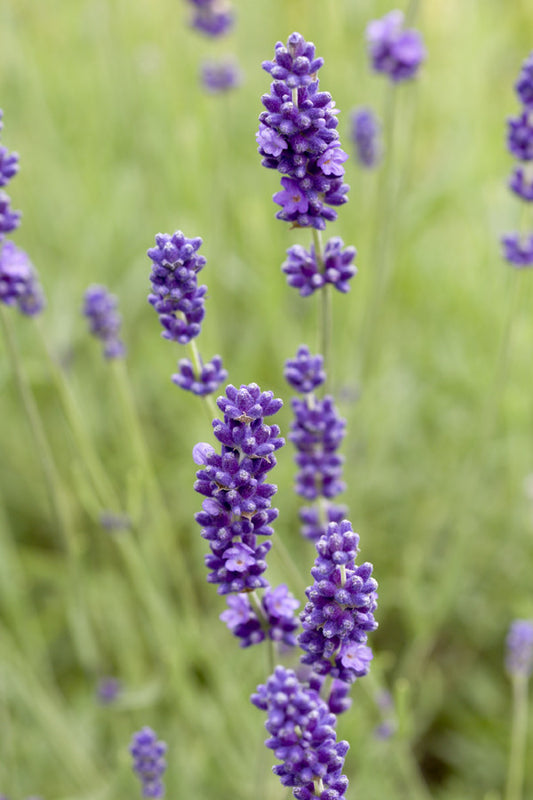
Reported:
(518, 250)
(9, 165)
(365, 133)
(19, 284)
(393, 51)
(100, 308)
(276, 620)
(519, 654)
(524, 84)
(220, 76)
(520, 136)
(305, 372)
(313, 527)
(521, 183)
(148, 761)
(9, 219)
(306, 274)
(212, 374)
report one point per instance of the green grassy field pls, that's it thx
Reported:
(118, 141)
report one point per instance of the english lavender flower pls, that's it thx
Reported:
(212, 17)
(521, 183)
(519, 655)
(305, 372)
(297, 136)
(237, 506)
(302, 735)
(100, 308)
(276, 618)
(307, 274)
(365, 133)
(207, 381)
(518, 250)
(340, 608)
(9, 219)
(176, 296)
(395, 52)
(524, 84)
(520, 136)
(19, 284)
(9, 165)
(148, 761)
(220, 76)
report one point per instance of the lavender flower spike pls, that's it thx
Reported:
(19, 284)
(212, 17)
(396, 52)
(211, 375)
(148, 761)
(306, 274)
(365, 131)
(519, 655)
(100, 308)
(305, 372)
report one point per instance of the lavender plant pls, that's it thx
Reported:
(100, 308)
(148, 761)
(365, 136)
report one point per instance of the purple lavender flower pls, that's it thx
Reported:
(175, 295)
(9, 165)
(313, 526)
(307, 275)
(148, 761)
(100, 308)
(365, 132)
(524, 84)
(394, 51)
(19, 284)
(302, 735)
(108, 690)
(237, 506)
(521, 183)
(339, 611)
(305, 372)
(338, 700)
(211, 376)
(220, 76)
(275, 620)
(297, 136)
(9, 219)
(113, 522)
(519, 655)
(212, 17)
(520, 136)
(518, 250)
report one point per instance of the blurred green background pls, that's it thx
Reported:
(118, 141)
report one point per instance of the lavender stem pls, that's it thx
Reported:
(515, 775)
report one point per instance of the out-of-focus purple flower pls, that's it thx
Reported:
(297, 136)
(302, 735)
(306, 274)
(148, 761)
(9, 165)
(394, 51)
(518, 250)
(112, 521)
(212, 17)
(521, 183)
(9, 219)
(305, 372)
(220, 76)
(519, 653)
(313, 527)
(100, 308)
(19, 284)
(365, 136)
(276, 619)
(237, 505)
(108, 690)
(212, 374)
(520, 136)
(524, 84)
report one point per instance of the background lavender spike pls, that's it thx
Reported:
(212, 17)
(394, 51)
(148, 761)
(19, 284)
(100, 308)
(220, 76)
(365, 136)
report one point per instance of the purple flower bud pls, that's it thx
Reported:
(521, 183)
(520, 136)
(365, 131)
(100, 308)
(9, 219)
(201, 452)
(148, 761)
(212, 17)
(19, 284)
(305, 372)
(524, 84)
(519, 655)
(394, 51)
(306, 274)
(276, 619)
(212, 374)
(518, 250)
(9, 165)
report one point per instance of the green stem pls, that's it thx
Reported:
(515, 775)
(208, 399)
(325, 327)
(412, 10)
(271, 655)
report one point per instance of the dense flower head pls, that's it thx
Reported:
(148, 761)
(237, 505)
(9, 165)
(521, 183)
(520, 136)
(275, 618)
(220, 76)
(518, 249)
(9, 219)
(340, 608)
(315, 520)
(524, 84)
(365, 133)
(175, 295)
(19, 284)
(212, 17)
(201, 383)
(302, 736)
(297, 136)
(305, 372)
(394, 51)
(100, 308)
(307, 273)
(519, 654)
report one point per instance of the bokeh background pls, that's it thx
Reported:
(118, 141)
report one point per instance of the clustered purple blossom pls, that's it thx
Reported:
(148, 761)
(393, 50)
(212, 17)
(519, 653)
(9, 166)
(100, 308)
(220, 76)
(298, 137)
(365, 136)
(518, 247)
(19, 284)
(237, 505)
(307, 271)
(275, 617)
(179, 302)
(303, 737)
(340, 608)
